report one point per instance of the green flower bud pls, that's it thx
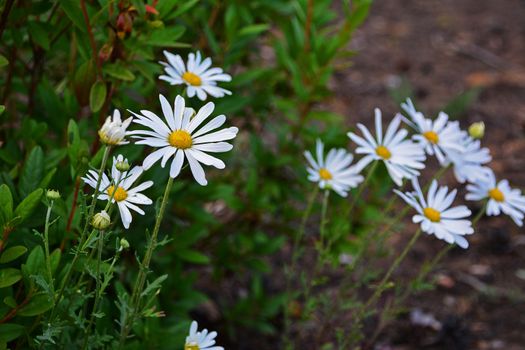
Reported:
(477, 130)
(124, 244)
(52, 195)
(101, 221)
(122, 166)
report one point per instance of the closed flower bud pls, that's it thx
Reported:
(477, 130)
(114, 130)
(52, 195)
(101, 221)
(122, 165)
(124, 244)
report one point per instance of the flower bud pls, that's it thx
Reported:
(52, 195)
(124, 244)
(114, 130)
(101, 221)
(477, 130)
(122, 165)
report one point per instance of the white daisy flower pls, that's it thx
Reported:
(199, 78)
(469, 165)
(437, 137)
(126, 196)
(335, 172)
(435, 214)
(201, 340)
(402, 157)
(501, 197)
(114, 129)
(181, 135)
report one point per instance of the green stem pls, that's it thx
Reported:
(83, 234)
(46, 247)
(362, 187)
(296, 252)
(322, 225)
(141, 279)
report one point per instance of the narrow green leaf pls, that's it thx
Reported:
(39, 34)
(73, 11)
(166, 37)
(55, 259)
(2, 109)
(9, 276)
(12, 253)
(117, 71)
(254, 29)
(6, 204)
(35, 261)
(26, 207)
(97, 96)
(193, 256)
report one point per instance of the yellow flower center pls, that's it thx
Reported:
(432, 214)
(180, 139)
(192, 79)
(431, 136)
(383, 152)
(119, 194)
(496, 194)
(191, 346)
(325, 174)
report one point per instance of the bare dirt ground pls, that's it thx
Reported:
(443, 48)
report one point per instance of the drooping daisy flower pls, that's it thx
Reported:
(469, 165)
(501, 197)
(181, 135)
(435, 214)
(402, 157)
(438, 136)
(114, 130)
(335, 171)
(201, 340)
(199, 78)
(126, 196)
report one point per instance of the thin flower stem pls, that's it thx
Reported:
(141, 279)
(322, 225)
(46, 247)
(83, 234)
(381, 287)
(362, 186)
(296, 252)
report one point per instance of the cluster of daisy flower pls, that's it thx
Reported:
(404, 157)
(181, 135)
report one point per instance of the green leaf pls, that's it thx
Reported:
(73, 11)
(155, 285)
(35, 261)
(97, 96)
(193, 256)
(10, 301)
(38, 304)
(2, 109)
(47, 179)
(38, 33)
(55, 259)
(26, 207)
(32, 172)
(254, 29)
(12, 253)
(10, 331)
(9, 276)
(3, 61)
(117, 71)
(6, 205)
(166, 37)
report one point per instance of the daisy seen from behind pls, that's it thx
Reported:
(470, 164)
(333, 172)
(437, 137)
(196, 74)
(501, 198)
(435, 214)
(181, 135)
(402, 157)
(200, 340)
(113, 131)
(120, 187)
